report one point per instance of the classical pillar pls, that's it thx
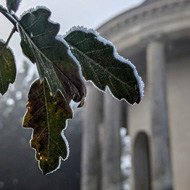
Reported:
(161, 166)
(111, 144)
(90, 166)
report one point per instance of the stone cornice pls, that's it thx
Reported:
(143, 14)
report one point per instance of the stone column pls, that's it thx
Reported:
(90, 166)
(161, 166)
(111, 144)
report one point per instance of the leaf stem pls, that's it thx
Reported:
(8, 39)
(13, 20)
(10, 35)
(8, 16)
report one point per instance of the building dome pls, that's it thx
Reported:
(162, 19)
(149, 1)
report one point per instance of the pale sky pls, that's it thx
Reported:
(88, 13)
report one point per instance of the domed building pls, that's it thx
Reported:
(155, 36)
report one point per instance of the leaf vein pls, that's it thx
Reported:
(102, 68)
(36, 21)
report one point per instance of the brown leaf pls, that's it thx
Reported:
(47, 116)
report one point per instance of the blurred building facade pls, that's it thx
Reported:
(155, 36)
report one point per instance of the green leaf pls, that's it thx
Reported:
(13, 5)
(7, 68)
(47, 116)
(51, 54)
(103, 66)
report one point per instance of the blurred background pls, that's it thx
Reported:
(114, 146)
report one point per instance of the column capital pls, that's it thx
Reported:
(157, 37)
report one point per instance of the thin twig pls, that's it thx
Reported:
(13, 21)
(8, 16)
(10, 35)
(8, 39)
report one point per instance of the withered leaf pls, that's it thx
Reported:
(47, 117)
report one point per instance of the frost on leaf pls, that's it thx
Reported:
(47, 116)
(7, 68)
(103, 66)
(51, 54)
(13, 5)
